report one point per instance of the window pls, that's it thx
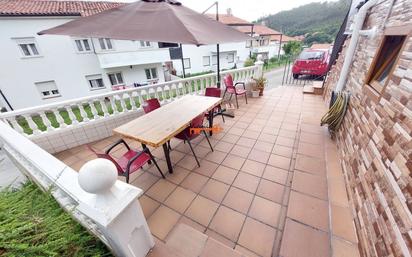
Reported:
(95, 82)
(384, 62)
(231, 58)
(105, 44)
(248, 43)
(214, 59)
(186, 63)
(151, 73)
(28, 47)
(47, 89)
(116, 79)
(206, 60)
(145, 44)
(83, 45)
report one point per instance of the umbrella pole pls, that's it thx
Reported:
(218, 65)
(222, 112)
(183, 62)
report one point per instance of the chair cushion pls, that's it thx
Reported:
(137, 164)
(240, 91)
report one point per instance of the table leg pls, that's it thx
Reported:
(167, 155)
(210, 117)
(149, 161)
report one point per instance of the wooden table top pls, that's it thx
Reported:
(159, 126)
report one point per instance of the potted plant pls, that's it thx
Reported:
(255, 90)
(260, 84)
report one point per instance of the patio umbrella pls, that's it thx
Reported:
(151, 20)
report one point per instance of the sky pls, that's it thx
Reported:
(249, 10)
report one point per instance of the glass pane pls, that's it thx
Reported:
(112, 79)
(100, 82)
(91, 82)
(142, 43)
(55, 92)
(102, 45)
(86, 44)
(147, 43)
(109, 43)
(25, 49)
(148, 75)
(119, 78)
(79, 46)
(34, 49)
(154, 73)
(46, 93)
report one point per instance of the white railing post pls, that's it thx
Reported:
(116, 209)
(259, 66)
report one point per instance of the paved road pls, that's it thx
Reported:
(274, 77)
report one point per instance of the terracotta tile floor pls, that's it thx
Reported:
(263, 190)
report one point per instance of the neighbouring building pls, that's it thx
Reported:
(44, 69)
(265, 41)
(375, 139)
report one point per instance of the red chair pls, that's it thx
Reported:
(186, 135)
(215, 92)
(233, 90)
(150, 105)
(130, 162)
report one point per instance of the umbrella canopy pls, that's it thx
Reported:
(151, 20)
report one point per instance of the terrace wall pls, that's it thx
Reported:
(375, 141)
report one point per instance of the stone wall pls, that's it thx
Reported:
(375, 141)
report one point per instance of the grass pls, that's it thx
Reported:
(275, 62)
(64, 114)
(33, 224)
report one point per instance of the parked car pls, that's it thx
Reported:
(311, 62)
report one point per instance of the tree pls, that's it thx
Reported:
(292, 48)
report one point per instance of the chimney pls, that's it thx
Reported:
(229, 11)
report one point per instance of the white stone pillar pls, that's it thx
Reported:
(259, 66)
(115, 207)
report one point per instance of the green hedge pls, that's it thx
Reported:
(33, 224)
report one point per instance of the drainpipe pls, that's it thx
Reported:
(359, 20)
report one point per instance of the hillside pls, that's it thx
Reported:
(318, 22)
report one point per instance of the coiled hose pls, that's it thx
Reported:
(336, 113)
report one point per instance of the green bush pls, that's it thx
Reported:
(249, 62)
(33, 224)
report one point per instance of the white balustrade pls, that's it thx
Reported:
(166, 91)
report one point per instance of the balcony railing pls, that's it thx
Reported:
(119, 59)
(42, 119)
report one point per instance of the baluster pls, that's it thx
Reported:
(141, 100)
(123, 103)
(113, 105)
(59, 118)
(179, 86)
(83, 113)
(46, 121)
(15, 125)
(93, 109)
(132, 101)
(72, 117)
(104, 107)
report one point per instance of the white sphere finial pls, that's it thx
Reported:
(97, 176)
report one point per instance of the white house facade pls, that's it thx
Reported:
(44, 69)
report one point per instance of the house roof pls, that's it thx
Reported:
(53, 8)
(260, 30)
(284, 38)
(229, 19)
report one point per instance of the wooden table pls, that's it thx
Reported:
(159, 126)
